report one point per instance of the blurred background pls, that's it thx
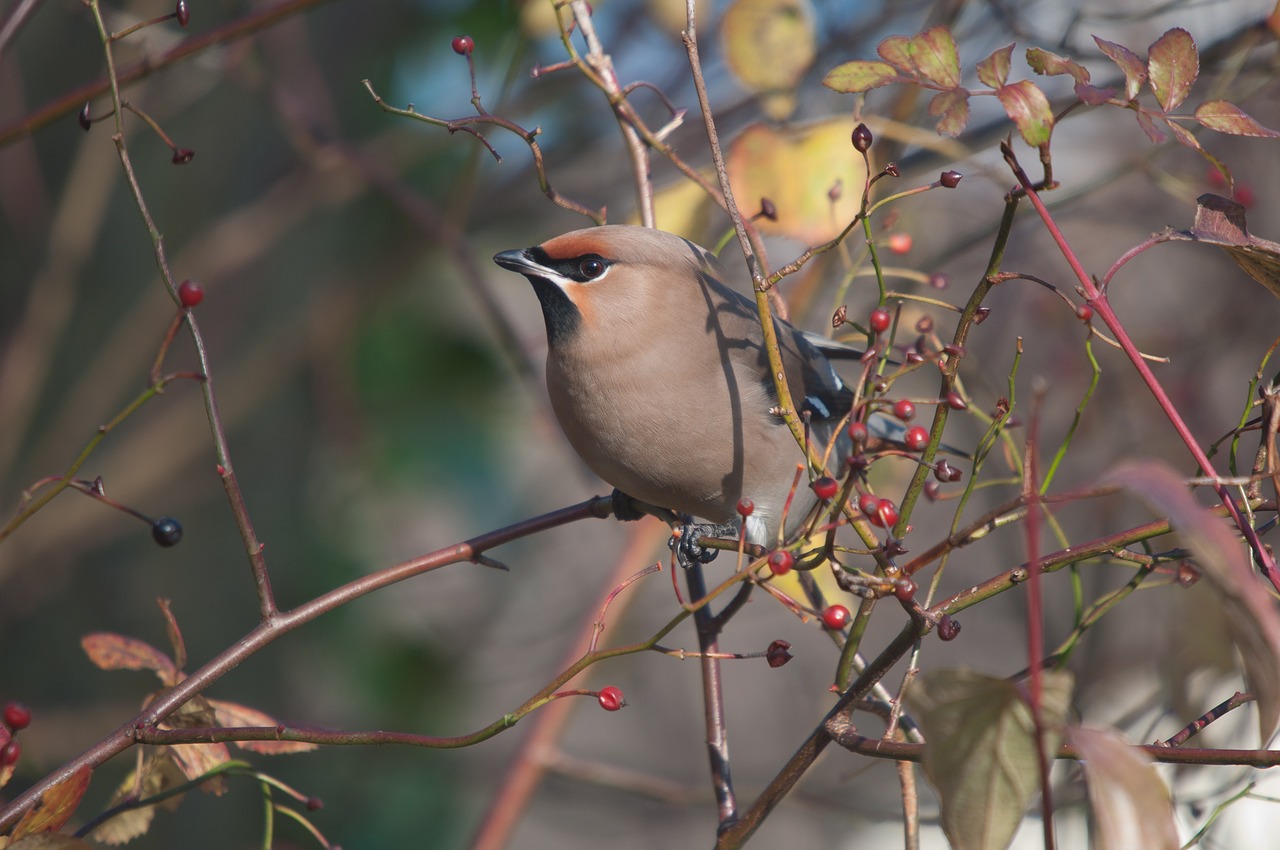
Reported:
(379, 380)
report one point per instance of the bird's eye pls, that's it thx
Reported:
(591, 268)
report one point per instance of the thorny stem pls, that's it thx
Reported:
(1097, 299)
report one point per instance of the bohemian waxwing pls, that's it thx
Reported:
(658, 376)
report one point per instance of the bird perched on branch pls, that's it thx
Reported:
(659, 377)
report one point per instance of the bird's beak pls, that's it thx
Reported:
(519, 261)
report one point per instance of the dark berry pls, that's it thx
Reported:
(914, 357)
(955, 401)
(948, 628)
(314, 804)
(904, 589)
(924, 325)
(836, 617)
(167, 531)
(777, 654)
(10, 754)
(190, 293)
(768, 209)
(945, 472)
(950, 179)
(463, 45)
(886, 514)
(953, 350)
(862, 138)
(182, 13)
(891, 169)
(16, 716)
(1084, 312)
(611, 698)
(85, 121)
(746, 507)
(904, 410)
(181, 156)
(980, 315)
(781, 561)
(825, 488)
(931, 490)
(880, 320)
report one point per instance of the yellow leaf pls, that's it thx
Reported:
(768, 45)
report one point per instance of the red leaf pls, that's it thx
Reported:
(994, 70)
(1128, 798)
(56, 806)
(933, 54)
(231, 714)
(1029, 108)
(1133, 66)
(1148, 125)
(1183, 135)
(1093, 95)
(1172, 66)
(953, 106)
(1226, 117)
(117, 652)
(859, 76)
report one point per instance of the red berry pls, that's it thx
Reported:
(869, 504)
(931, 490)
(858, 432)
(182, 13)
(16, 716)
(905, 590)
(836, 617)
(181, 156)
(1214, 178)
(463, 45)
(944, 471)
(781, 561)
(777, 653)
(950, 179)
(1244, 195)
(955, 401)
(939, 281)
(190, 293)
(900, 243)
(886, 514)
(904, 410)
(862, 138)
(948, 628)
(314, 804)
(1084, 312)
(825, 487)
(746, 507)
(880, 320)
(10, 754)
(916, 438)
(611, 698)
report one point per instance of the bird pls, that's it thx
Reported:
(658, 376)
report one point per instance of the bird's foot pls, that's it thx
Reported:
(686, 543)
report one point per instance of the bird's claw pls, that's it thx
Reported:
(686, 543)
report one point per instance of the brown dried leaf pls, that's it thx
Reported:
(994, 70)
(1173, 63)
(176, 643)
(1226, 117)
(1130, 802)
(1133, 66)
(1029, 108)
(860, 76)
(1252, 618)
(56, 806)
(111, 651)
(1221, 221)
(953, 106)
(159, 775)
(233, 714)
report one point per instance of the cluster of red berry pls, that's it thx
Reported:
(16, 718)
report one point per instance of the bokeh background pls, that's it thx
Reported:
(380, 384)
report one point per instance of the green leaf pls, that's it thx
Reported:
(894, 50)
(861, 75)
(1252, 620)
(994, 70)
(980, 750)
(1029, 108)
(1130, 802)
(768, 46)
(1226, 117)
(933, 54)
(1172, 66)
(953, 106)
(1133, 66)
